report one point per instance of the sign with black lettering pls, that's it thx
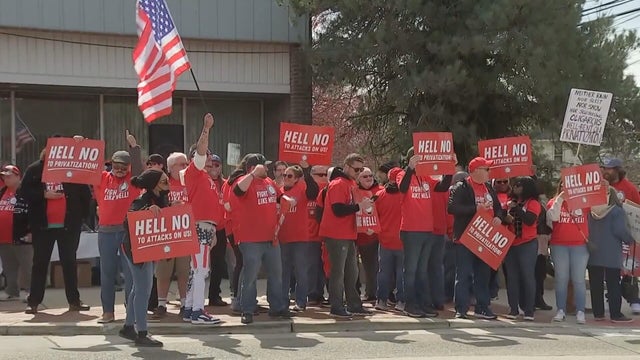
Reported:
(585, 117)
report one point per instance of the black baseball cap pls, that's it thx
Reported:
(255, 159)
(155, 159)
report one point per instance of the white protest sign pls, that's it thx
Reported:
(233, 154)
(585, 117)
(633, 216)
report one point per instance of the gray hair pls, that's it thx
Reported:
(173, 157)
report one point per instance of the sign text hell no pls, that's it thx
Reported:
(297, 137)
(157, 225)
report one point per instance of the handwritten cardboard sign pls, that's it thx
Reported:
(313, 144)
(631, 259)
(488, 242)
(436, 151)
(586, 117)
(367, 220)
(70, 161)
(171, 234)
(633, 216)
(511, 156)
(583, 186)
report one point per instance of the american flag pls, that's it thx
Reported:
(23, 135)
(158, 58)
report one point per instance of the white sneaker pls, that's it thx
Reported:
(400, 306)
(580, 318)
(7, 297)
(560, 316)
(24, 295)
(381, 305)
(635, 308)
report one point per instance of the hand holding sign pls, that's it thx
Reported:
(155, 210)
(78, 138)
(413, 162)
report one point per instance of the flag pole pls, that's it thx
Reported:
(204, 103)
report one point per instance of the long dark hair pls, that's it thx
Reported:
(529, 188)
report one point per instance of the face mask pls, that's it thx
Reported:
(164, 193)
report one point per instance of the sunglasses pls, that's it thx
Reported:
(321, 175)
(502, 181)
(357, 170)
(289, 176)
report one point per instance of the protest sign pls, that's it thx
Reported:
(171, 234)
(511, 156)
(436, 151)
(631, 259)
(583, 186)
(366, 219)
(70, 161)
(585, 117)
(633, 216)
(313, 144)
(233, 154)
(487, 241)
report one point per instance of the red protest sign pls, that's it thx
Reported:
(171, 234)
(71, 161)
(436, 151)
(313, 144)
(366, 219)
(582, 186)
(511, 156)
(490, 243)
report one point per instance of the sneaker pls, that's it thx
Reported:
(361, 311)
(512, 315)
(460, 315)
(199, 317)
(635, 308)
(79, 307)
(128, 332)
(486, 314)
(381, 305)
(147, 341)
(528, 317)
(31, 310)
(298, 308)
(560, 316)
(326, 302)
(542, 305)
(599, 318)
(106, 318)
(429, 312)
(246, 318)
(217, 302)
(7, 297)
(580, 318)
(400, 306)
(621, 319)
(24, 295)
(414, 313)
(341, 313)
(160, 312)
(284, 314)
(181, 312)
(186, 314)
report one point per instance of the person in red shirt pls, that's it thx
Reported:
(423, 250)
(367, 243)
(297, 248)
(164, 270)
(255, 196)
(338, 228)
(524, 210)
(569, 237)
(48, 228)
(208, 213)
(613, 171)
(468, 197)
(16, 251)
(114, 196)
(316, 274)
(388, 202)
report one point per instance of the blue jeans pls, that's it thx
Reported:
(471, 271)
(570, 262)
(109, 244)
(436, 270)
(253, 255)
(521, 280)
(391, 263)
(297, 260)
(141, 275)
(418, 253)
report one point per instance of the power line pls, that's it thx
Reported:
(627, 20)
(615, 4)
(612, 16)
(601, 5)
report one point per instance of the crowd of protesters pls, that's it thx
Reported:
(300, 227)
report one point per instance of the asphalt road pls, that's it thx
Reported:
(500, 343)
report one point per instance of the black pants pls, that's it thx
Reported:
(369, 257)
(43, 242)
(153, 297)
(597, 276)
(235, 280)
(218, 265)
(541, 275)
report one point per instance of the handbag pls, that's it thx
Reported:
(591, 247)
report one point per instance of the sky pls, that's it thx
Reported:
(624, 22)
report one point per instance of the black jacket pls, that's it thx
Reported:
(462, 205)
(32, 189)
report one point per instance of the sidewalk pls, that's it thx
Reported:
(54, 318)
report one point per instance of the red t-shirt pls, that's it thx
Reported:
(390, 215)
(340, 191)
(312, 224)
(255, 214)
(56, 208)
(295, 227)
(504, 199)
(203, 195)
(529, 232)
(417, 205)
(114, 196)
(363, 238)
(440, 200)
(7, 202)
(566, 232)
(626, 190)
(177, 191)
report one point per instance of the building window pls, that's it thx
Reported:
(122, 113)
(44, 115)
(5, 128)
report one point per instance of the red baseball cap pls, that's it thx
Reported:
(479, 162)
(10, 170)
(393, 174)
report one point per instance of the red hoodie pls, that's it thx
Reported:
(388, 206)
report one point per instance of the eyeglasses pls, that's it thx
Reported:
(289, 176)
(119, 168)
(357, 170)
(366, 176)
(321, 175)
(502, 182)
